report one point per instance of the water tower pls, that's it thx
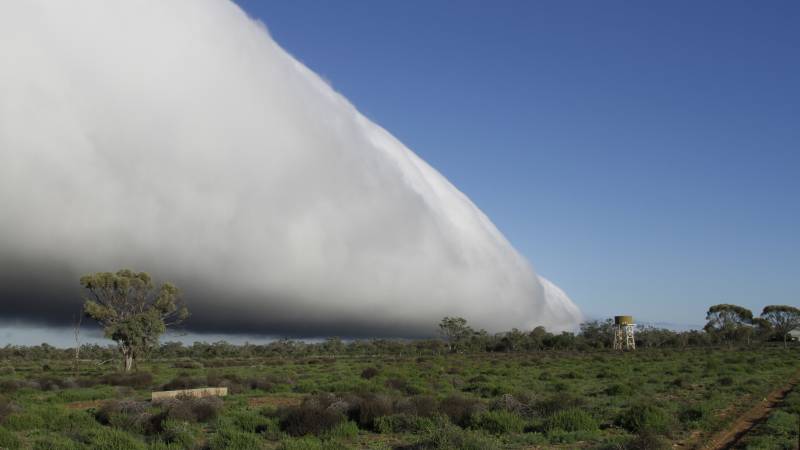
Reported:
(623, 333)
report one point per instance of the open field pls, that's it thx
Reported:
(647, 399)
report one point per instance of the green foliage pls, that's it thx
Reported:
(230, 438)
(404, 423)
(499, 422)
(646, 417)
(131, 311)
(9, 439)
(104, 438)
(571, 419)
(449, 437)
(183, 434)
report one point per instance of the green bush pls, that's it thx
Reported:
(229, 438)
(499, 422)
(310, 443)
(646, 417)
(403, 423)
(572, 419)
(181, 433)
(9, 440)
(104, 438)
(344, 430)
(53, 442)
(450, 437)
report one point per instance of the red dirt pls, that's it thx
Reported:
(727, 438)
(84, 405)
(274, 401)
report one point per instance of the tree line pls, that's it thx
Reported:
(135, 313)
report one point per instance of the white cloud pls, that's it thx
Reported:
(177, 137)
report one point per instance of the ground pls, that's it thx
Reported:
(650, 399)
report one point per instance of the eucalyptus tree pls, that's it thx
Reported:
(729, 323)
(782, 319)
(131, 310)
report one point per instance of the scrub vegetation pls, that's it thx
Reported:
(334, 395)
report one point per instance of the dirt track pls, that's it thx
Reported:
(727, 438)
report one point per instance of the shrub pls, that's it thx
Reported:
(342, 430)
(419, 405)
(136, 380)
(310, 443)
(450, 437)
(403, 423)
(228, 438)
(550, 405)
(192, 409)
(572, 419)
(499, 422)
(369, 373)
(231, 381)
(725, 381)
(264, 383)
(183, 434)
(398, 384)
(250, 421)
(188, 364)
(309, 418)
(459, 409)
(6, 408)
(368, 408)
(9, 440)
(647, 440)
(646, 417)
(184, 381)
(103, 438)
(617, 389)
(125, 414)
(691, 414)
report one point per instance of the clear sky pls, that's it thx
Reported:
(643, 155)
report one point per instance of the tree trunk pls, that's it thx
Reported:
(784, 340)
(127, 358)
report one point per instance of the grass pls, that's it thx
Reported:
(646, 399)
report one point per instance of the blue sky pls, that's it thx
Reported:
(643, 155)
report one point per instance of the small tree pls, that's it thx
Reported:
(454, 330)
(729, 322)
(131, 310)
(782, 318)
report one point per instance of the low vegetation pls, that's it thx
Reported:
(648, 399)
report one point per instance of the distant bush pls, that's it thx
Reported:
(460, 409)
(233, 382)
(192, 409)
(229, 438)
(9, 440)
(313, 417)
(617, 389)
(188, 364)
(418, 405)
(451, 437)
(403, 423)
(498, 422)
(646, 417)
(6, 408)
(369, 373)
(136, 380)
(647, 440)
(370, 407)
(725, 381)
(572, 419)
(110, 439)
(550, 405)
(184, 381)
(180, 433)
